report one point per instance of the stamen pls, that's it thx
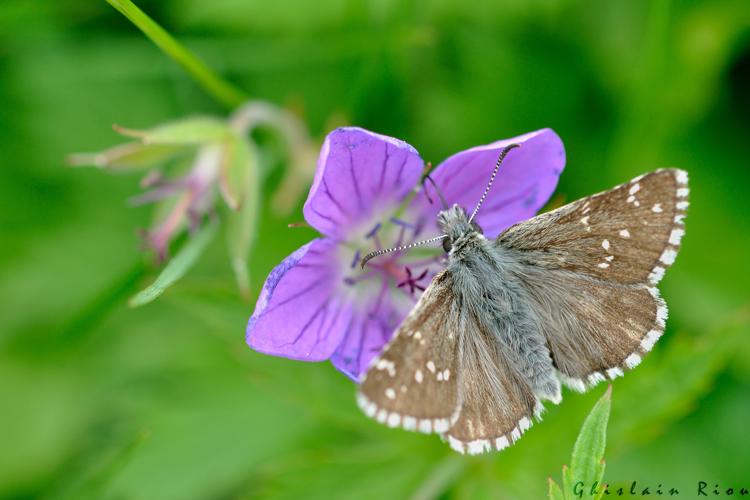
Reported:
(355, 260)
(401, 234)
(403, 223)
(373, 231)
(373, 234)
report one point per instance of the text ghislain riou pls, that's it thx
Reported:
(701, 489)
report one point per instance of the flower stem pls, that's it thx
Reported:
(221, 90)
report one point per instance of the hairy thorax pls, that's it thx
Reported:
(488, 284)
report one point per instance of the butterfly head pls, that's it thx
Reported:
(454, 224)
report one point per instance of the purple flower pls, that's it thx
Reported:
(319, 304)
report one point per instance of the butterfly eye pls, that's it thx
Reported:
(447, 245)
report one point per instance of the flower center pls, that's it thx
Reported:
(404, 273)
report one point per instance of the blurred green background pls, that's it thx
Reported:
(98, 400)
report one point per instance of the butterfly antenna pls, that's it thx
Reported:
(437, 190)
(500, 159)
(377, 253)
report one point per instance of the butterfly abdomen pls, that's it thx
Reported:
(487, 284)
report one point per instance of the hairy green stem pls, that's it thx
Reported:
(221, 90)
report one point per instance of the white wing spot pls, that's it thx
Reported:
(668, 256)
(603, 265)
(524, 423)
(394, 419)
(595, 378)
(385, 364)
(410, 423)
(478, 446)
(636, 187)
(682, 177)
(417, 335)
(632, 361)
(425, 425)
(390, 393)
(441, 425)
(501, 443)
(656, 275)
(625, 233)
(682, 192)
(631, 199)
(515, 434)
(650, 339)
(675, 236)
(456, 444)
(657, 208)
(446, 374)
(585, 220)
(418, 376)
(609, 258)
(661, 315)
(431, 366)
(440, 376)
(605, 244)
(682, 205)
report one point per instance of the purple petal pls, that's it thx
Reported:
(359, 172)
(525, 182)
(300, 313)
(370, 328)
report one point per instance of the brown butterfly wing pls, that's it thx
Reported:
(497, 404)
(592, 267)
(595, 330)
(630, 234)
(413, 383)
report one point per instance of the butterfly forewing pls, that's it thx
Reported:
(496, 403)
(412, 383)
(630, 234)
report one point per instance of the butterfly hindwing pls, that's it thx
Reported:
(413, 384)
(595, 330)
(496, 403)
(630, 234)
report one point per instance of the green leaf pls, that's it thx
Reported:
(555, 493)
(177, 267)
(223, 91)
(587, 460)
(193, 130)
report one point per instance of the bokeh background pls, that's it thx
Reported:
(99, 400)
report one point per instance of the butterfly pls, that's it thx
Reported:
(568, 298)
